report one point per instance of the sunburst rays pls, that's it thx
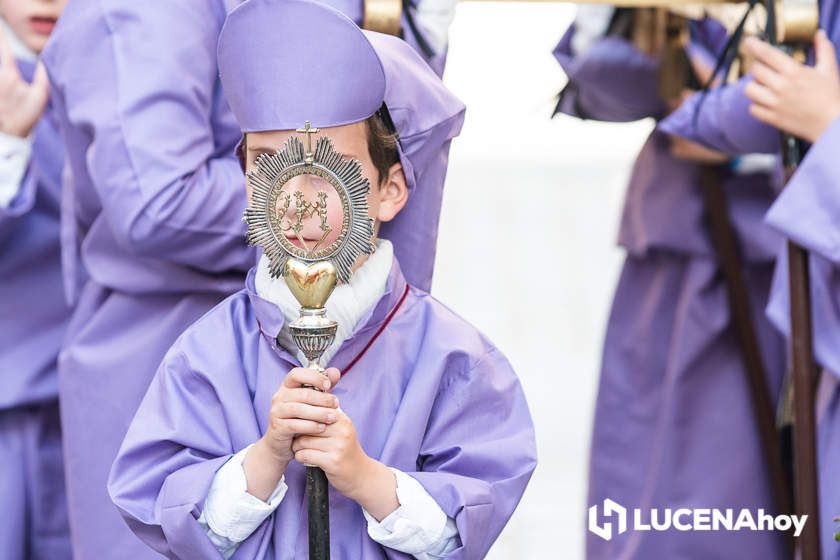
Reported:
(272, 171)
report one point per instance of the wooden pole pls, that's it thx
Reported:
(805, 470)
(731, 265)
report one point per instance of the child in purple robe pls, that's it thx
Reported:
(673, 403)
(33, 312)
(423, 429)
(152, 207)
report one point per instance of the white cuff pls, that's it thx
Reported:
(749, 164)
(230, 511)
(14, 157)
(418, 527)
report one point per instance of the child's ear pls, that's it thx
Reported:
(393, 194)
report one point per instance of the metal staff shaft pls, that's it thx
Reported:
(318, 508)
(313, 333)
(311, 274)
(318, 496)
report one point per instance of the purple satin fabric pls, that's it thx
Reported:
(32, 488)
(33, 313)
(431, 397)
(33, 320)
(724, 122)
(673, 418)
(612, 81)
(153, 205)
(807, 212)
(153, 219)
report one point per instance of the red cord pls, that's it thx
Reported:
(378, 332)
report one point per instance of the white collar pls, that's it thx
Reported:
(347, 305)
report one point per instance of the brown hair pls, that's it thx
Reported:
(382, 146)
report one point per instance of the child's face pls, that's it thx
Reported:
(386, 198)
(32, 21)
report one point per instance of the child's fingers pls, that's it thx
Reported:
(310, 442)
(298, 426)
(826, 56)
(310, 396)
(7, 57)
(41, 82)
(300, 377)
(341, 428)
(314, 457)
(333, 374)
(771, 56)
(764, 115)
(766, 76)
(757, 93)
(302, 411)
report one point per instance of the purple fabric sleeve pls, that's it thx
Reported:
(483, 410)
(723, 122)
(162, 504)
(135, 80)
(808, 210)
(611, 81)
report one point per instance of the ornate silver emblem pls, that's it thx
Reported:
(289, 202)
(292, 193)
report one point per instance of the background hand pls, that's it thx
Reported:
(793, 97)
(21, 103)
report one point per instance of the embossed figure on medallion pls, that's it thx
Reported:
(293, 191)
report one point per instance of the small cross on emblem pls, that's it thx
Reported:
(309, 131)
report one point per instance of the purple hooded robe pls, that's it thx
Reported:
(427, 393)
(808, 212)
(431, 397)
(673, 418)
(33, 318)
(152, 212)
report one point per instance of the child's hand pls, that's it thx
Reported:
(350, 471)
(793, 97)
(297, 408)
(336, 450)
(21, 103)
